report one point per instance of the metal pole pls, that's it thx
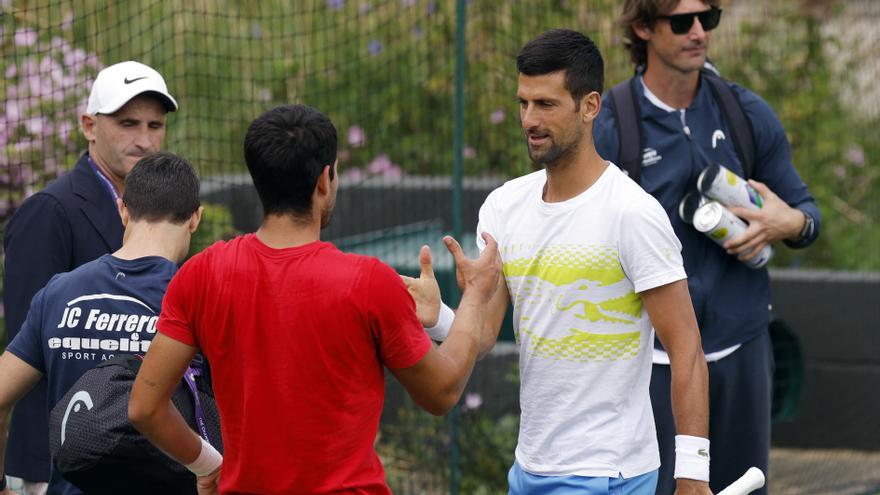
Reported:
(458, 139)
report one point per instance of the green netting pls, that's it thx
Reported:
(384, 71)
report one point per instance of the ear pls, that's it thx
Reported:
(591, 103)
(324, 180)
(642, 31)
(87, 123)
(123, 212)
(195, 219)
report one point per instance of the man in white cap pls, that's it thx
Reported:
(72, 221)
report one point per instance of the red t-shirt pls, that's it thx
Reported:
(297, 339)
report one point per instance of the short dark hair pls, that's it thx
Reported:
(286, 149)
(645, 13)
(571, 51)
(162, 187)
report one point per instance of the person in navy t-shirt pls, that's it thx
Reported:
(108, 306)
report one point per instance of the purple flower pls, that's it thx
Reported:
(11, 71)
(856, 155)
(25, 37)
(472, 401)
(416, 32)
(353, 176)
(380, 164)
(34, 125)
(393, 172)
(75, 59)
(374, 47)
(365, 8)
(356, 136)
(469, 152)
(408, 3)
(497, 116)
(64, 130)
(13, 110)
(256, 31)
(335, 4)
(839, 171)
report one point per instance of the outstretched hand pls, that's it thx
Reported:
(480, 275)
(424, 290)
(773, 222)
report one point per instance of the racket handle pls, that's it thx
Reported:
(747, 483)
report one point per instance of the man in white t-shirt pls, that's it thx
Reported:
(592, 267)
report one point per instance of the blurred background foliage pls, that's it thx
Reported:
(383, 70)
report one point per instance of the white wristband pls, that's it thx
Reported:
(208, 460)
(440, 331)
(691, 458)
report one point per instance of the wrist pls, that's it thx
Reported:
(691, 458)
(207, 462)
(440, 330)
(807, 226)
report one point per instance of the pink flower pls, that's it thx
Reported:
(353, 176)
(356, 136)
(64, 130)
(856, 155)
(393, 172)
(25, 37)
(469, 152)
(497, 116)
(472, 401)
(380, 164)
(839, 171)
(11, 71)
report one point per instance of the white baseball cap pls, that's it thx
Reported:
(119, 83)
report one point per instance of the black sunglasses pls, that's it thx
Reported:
(682, 23)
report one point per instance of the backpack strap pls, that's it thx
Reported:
(629, 128)
(743, 137)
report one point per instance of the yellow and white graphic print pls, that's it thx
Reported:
(573, 302)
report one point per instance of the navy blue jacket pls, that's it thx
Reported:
(70, 222)
(730, 299)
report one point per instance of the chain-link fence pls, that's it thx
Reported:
(385, 72)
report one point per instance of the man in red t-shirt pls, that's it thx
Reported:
(298, 333)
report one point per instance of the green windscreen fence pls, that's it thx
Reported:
(385, 73)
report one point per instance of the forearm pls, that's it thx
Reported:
(690, 388)
(462, 346)
(166, 429)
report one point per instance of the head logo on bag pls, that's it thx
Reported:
(95, 447)
(81, 397)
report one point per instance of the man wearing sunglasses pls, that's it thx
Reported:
(683, 128)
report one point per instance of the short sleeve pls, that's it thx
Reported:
(176, 319)
(649, 250)
(487, 220)
(392, 314)
(27, 344)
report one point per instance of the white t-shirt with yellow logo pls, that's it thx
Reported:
(574, 270)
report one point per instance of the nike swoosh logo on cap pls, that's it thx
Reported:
(129, 81)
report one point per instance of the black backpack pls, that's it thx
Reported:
(96, 448)
(632, 139)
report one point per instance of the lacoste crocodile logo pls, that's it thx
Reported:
(703, 453)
